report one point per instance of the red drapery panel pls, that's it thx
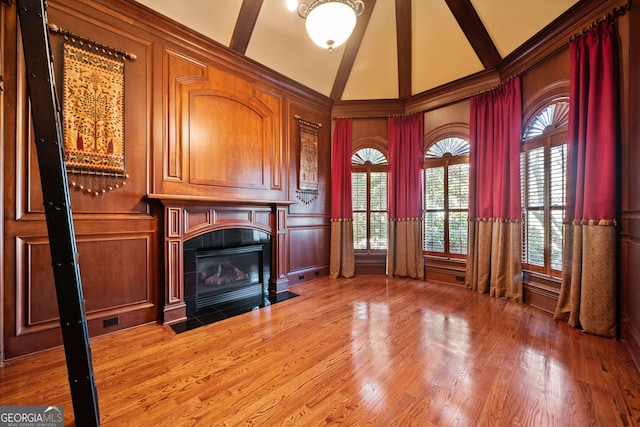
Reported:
(494, 160)
(406, 156)
(591, 177)
(341, 207)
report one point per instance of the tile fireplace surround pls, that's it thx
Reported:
(186, 217)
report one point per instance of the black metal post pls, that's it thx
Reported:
(47, 126)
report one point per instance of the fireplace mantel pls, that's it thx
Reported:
(188, 216)
(190, 199)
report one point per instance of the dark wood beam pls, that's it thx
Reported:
(351, 50)
(403, 31)
(475, 32)
(244, 27)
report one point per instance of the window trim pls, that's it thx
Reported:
(550, 137)
(445, 161)
(368, 168)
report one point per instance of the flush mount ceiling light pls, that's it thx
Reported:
(330, 22)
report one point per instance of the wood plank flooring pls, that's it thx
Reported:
(365, 351)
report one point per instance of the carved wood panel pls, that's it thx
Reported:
(224, 133)
(108, 280)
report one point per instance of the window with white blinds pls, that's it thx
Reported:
(446, 198)
(543, 174)
(369, 193)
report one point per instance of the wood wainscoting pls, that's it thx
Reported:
(361, 351)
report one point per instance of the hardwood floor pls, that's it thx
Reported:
(363, 351)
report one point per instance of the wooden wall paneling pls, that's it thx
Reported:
(4, 23)
(228, 142)
(546, 81)
(224, 133)
(309, 252)
(370, 132)
(274, 103)
(137, 99)
(117, 273)
(313, 218)
(322, 205)
(131, 295)
(116, 233)
(371, 264)
(174, 307)
(180, 71)
(630, 193)
(13, 94)
(280, 261)
(455, 116)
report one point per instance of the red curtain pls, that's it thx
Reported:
(406, 156)
(494, 261)
(588, 291)
(494, 161)
(591, 178)
(342, 257)
(341, 207)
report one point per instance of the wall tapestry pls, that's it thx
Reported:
(93, 108)
(307, 190)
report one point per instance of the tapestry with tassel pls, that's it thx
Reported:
(93, 118)
(307, 190)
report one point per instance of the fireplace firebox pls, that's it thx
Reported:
(228, 274)
(226, 266)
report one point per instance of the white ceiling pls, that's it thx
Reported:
(440, 51)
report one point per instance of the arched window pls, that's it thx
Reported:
(543, 171)
(369, 187)
(446, 198)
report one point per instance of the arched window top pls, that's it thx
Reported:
(448, 146)
(371, 155)
(552, 117)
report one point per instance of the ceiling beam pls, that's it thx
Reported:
(476, 33)
(351, 50)
(403, 32)
(247, 18)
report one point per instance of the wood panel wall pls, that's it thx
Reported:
(630, 191)
(178, 80)
(200, 121)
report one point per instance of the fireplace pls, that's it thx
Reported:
(226, 266)
(196, 224)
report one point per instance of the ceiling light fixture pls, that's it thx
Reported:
(330, 22)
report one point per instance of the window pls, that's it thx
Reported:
(543, 171)
(369, 191)
(446, 198)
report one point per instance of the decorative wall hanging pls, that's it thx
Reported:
(307, 190)
(93, 108)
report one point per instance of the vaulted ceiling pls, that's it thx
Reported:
(399, 48)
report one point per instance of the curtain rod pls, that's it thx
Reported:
(502, 83)
(615, 13)
(307, 122)
(386, 116)
(99, 46)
